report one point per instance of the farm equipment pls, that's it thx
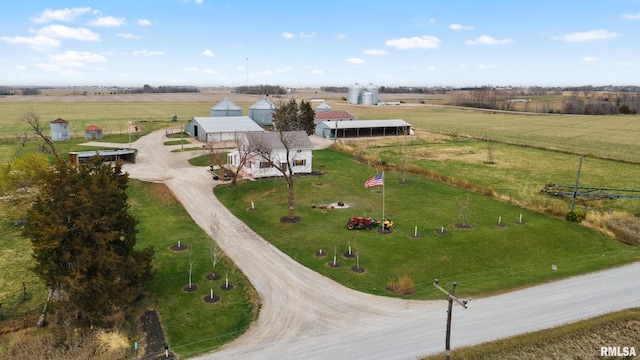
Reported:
(361, 222)
(387, 225)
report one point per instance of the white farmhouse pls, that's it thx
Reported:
(258, 151)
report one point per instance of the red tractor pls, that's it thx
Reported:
(361, 222)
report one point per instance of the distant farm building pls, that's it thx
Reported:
(364, 95)
(252, 145)
(323, 107)
(363, 128)
(60, 130)
(81, 157)
(333, 115)
(221, 128)
(92, 132)
(262, 112)
(225, 107)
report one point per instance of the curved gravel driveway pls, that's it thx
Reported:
(305, 315)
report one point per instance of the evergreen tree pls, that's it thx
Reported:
(307, 116)
(83, 237)
(293, 117)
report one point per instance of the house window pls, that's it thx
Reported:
(264, 165)
(283, 166)
(300, 162)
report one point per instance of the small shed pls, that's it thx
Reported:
(262, 112)
(323, 107)
(60, 130)
(225, 107)
(92, 132)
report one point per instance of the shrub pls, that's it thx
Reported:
(626, 230)
(575, 216)
(404, 286)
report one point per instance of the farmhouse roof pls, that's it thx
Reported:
(334, 114)
(221, 124)
(271, 140)
(59, 121)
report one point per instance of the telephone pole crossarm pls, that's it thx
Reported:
(451, 297)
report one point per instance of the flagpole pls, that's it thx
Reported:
(383, 218)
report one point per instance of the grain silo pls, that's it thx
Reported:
(355, 94)
(225, 107)
(262, 112)
(60, 130)
(92, 132)
(368, 98)
(375, 90)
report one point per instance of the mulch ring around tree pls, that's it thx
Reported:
(334, 264)
(349, 255)
(357, 269)
(190, 288)
(288, 220)
(210, 300)
(153, 336)
(212, 276)
(226, 287)
(462, 226)
(320, 254)
(182, 247)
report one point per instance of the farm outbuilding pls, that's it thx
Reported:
(333, 115)
(60, 130)
(262, 112)
(221, 128)
(92, 132)
(225, 107)
(363, 128)
(323, 107)
(81, 157)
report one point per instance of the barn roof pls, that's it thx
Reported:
(222, 124)
(271, 140)
(359, 124)
(334, 114)
(59, 121)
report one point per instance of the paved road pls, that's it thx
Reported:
(305, 315)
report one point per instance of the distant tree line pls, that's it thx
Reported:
(261, 90)
(30, 91)
(147, 89)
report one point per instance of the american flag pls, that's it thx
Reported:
(374, 181)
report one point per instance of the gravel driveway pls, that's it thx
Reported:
(305, 315)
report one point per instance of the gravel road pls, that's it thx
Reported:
(305, 315)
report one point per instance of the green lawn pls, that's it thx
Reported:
(483, 259)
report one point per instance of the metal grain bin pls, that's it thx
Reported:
(225, 107)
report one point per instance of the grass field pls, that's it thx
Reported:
(485, 258)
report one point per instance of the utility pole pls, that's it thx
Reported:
(575, 189)
(452, 298)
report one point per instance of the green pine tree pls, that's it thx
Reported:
(83, 238)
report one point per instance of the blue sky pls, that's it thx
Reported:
(308, 43)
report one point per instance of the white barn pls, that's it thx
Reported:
(221, 128)
(262, 149)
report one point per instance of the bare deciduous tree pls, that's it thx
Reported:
(31, 118)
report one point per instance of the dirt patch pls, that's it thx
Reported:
(164, 194)
(154, 341)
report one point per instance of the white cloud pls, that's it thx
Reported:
(488, 40)
(635, 16)
(61, 31)
(341, 36)
(355, 60)
(208, 53)
(486, 66)
(287, 35)
(128, 36)
(191, 69)
(209, 71)
(108, 21)
(376, 52)
(587, 36)
(38, 42)
(431, 68)
(71, 59)
(317, 72)
(264, 73)
(198, 1)
(144, 22)
(416, 42)
(623, 63)
(460, 27)
(64, 15)
(308, 36)
(590, 59)
(147, 53)
(285, 69)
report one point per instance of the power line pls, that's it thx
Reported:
(452, 298)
